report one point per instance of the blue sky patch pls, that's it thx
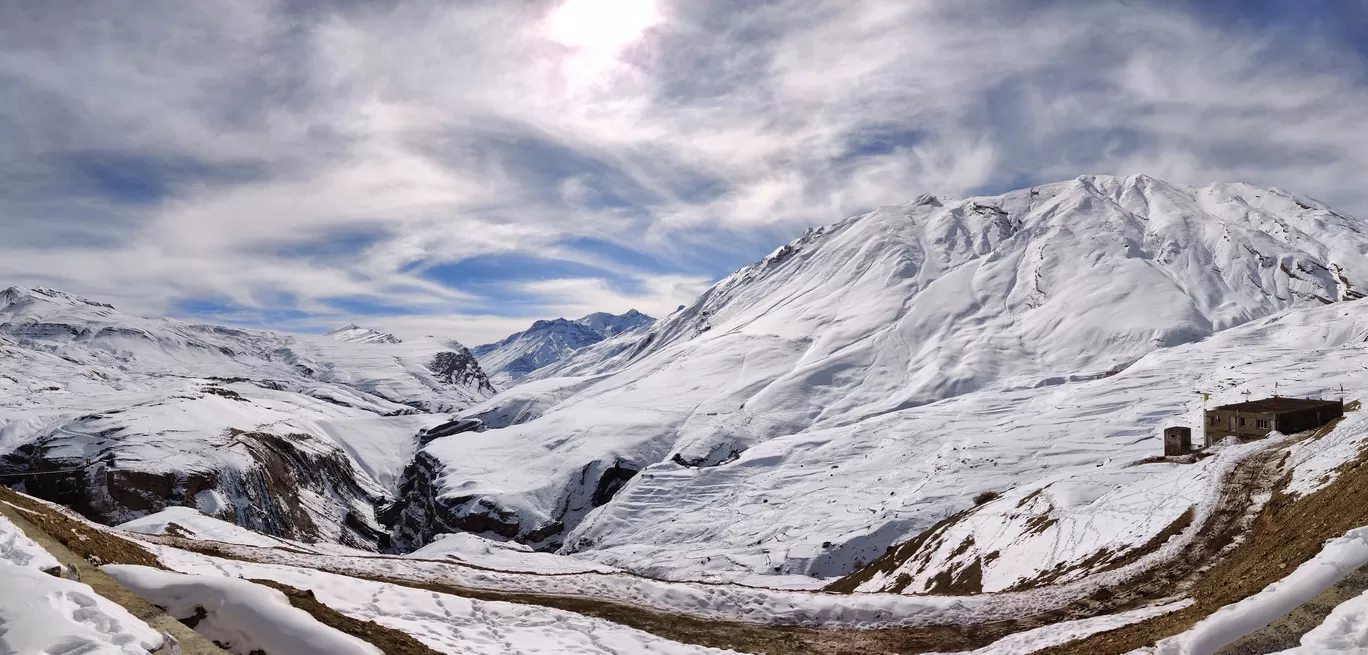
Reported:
(139, 178)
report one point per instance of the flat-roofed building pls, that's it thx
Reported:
(1255, 419)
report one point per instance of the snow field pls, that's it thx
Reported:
(502, 555)
(241, 614)
(450, 624)
(40, 613)
(864, 382)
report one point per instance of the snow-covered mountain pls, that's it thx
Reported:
(297, 435)
(548, 342)
(845, 393)
(353, 333)
(867, 380)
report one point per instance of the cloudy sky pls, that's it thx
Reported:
(465, 167)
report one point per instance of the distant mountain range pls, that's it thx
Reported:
(547, 342)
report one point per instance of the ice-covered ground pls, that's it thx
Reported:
(191, 523)
(461, 548)
(1031, 641)
(502, 555)
(41, 613)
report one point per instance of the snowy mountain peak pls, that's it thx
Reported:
(353, 333)
(15, 296)
(613, 324)
(1048, 259)
(551, 340)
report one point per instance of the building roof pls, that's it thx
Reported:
(1279, 404)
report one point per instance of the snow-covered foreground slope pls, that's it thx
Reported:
(297, 435)
(241, 616)
(445, 622)
(868, 380)
(547, 342)
(42, 613)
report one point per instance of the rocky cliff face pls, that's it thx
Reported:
(419, 512)
(458, 368)
(288, 485)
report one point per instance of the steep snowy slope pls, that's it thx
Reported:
(548, 342)
(295, 435)
(867, 380)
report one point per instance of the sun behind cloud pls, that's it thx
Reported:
(604, 25)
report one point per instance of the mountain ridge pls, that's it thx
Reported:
(548, 341)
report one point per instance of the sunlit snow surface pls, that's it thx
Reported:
(243, 615)
(40, 613)
(447, 623)
(1344, 631)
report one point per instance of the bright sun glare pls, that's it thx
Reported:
(601, 24)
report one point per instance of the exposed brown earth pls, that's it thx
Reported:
(92, 544)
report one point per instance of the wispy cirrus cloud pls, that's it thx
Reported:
(463, 168)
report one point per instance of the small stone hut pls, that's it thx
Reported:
(1177, 441)
(1255, 419)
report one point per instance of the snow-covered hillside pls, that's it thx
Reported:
(296, 435)
(548, 342)
(869, 379)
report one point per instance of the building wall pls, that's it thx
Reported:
(1177, 441)
(1220, 423)
(1306, 419)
